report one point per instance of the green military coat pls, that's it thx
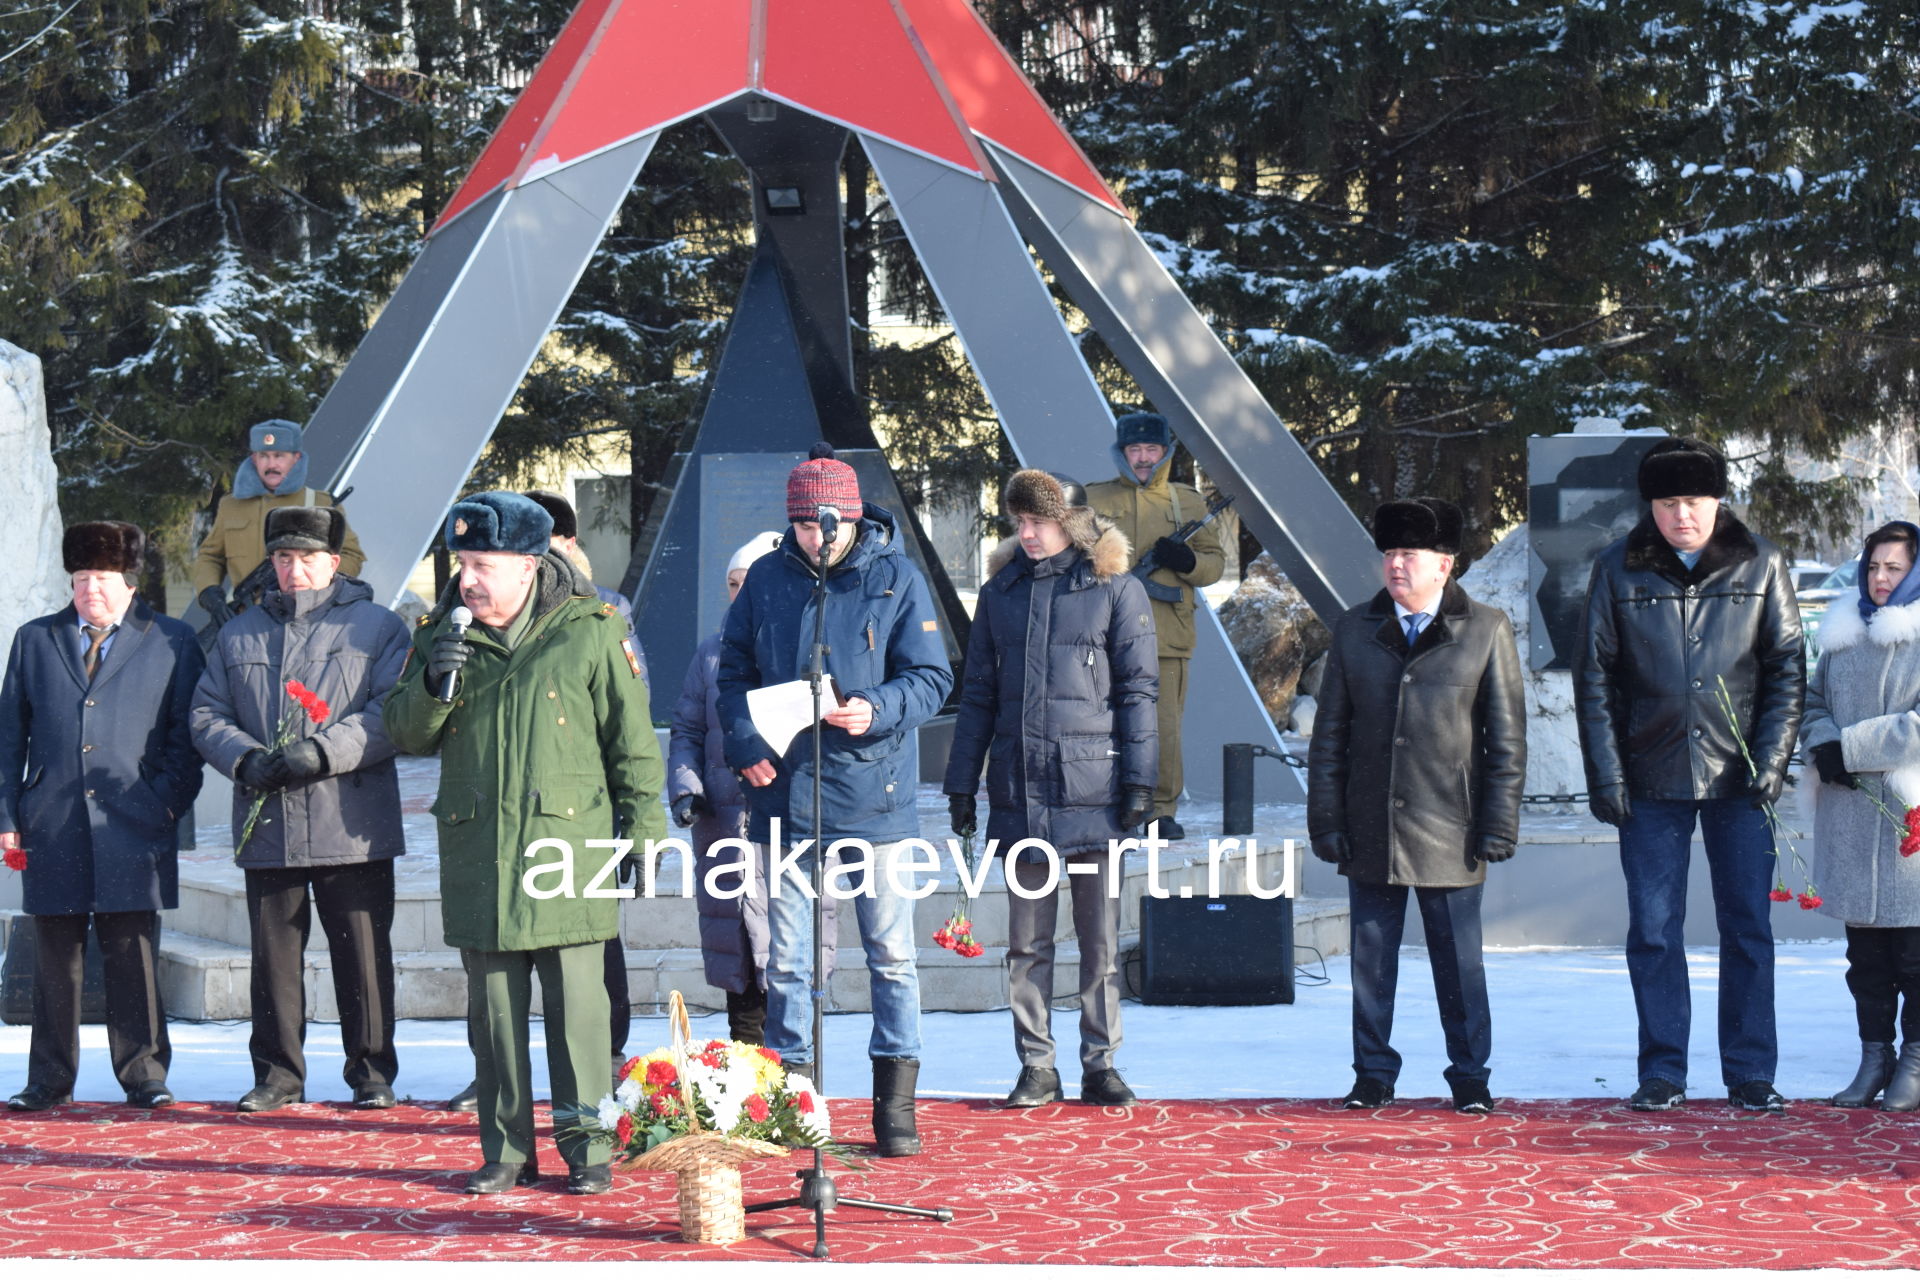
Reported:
(552, 740)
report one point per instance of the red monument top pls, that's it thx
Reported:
(926, 75)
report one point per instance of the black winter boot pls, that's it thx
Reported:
(1876, 1069)
(1903, 1091)
(747, 1015)
(894, 1131)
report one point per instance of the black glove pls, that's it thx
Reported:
(449, 654)
(1610, 805)
(1833, 766)
(300, 761)
(260, 771)
(1177, 556)
(688, 808)
(1135, 804)
(963, 814)
(214, 601)
(1492, 848)
(1333, 847)
(1767, 788)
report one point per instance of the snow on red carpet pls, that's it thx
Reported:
(1285, 1183)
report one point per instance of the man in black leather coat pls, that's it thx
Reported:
(1687, 603)
(1414, 779)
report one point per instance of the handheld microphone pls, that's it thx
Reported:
(461, 618)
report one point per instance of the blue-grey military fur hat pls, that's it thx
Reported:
(275, 435)
(1142, 428)
(499, 521)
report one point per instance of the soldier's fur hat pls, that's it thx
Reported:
(499, 521)
(1683, 468)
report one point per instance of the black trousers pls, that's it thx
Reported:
(355, 905)
(1452, 921)
(136, 1022)
(1883, 972)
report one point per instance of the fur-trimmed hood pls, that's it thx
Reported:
(1730, 544)
(1105, 547)
(1842, 626)
(248, 484)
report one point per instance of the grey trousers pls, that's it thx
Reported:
(1030, 926)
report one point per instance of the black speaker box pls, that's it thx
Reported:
(1232, 950)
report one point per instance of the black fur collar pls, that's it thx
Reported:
(1730, 545)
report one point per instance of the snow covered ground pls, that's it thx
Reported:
(1562, 1018)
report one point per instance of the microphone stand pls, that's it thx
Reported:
(817, 1191)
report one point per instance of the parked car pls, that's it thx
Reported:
(1841, 584)
(1809, 574)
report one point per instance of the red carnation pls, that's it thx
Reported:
(943, 938)
(1781, 895)
(297, 691)
(16, 858)
(663, 1103)
(626, 1071)
(661, 1074)
(623, 1129)
(711, 1058)
(319, 709)
(971, 949)
(1809, 900)
(1913, 818)
(757, 1110)
(805, 1103)
(771, 1055)
(1910, 846)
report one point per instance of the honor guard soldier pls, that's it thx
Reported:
(1147, 506)
(274, 475)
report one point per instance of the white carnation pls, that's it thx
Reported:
(629, 1093)
(610, 1113)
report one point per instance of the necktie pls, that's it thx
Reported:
(96, 636)
(1414, 621)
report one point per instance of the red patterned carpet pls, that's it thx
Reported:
(1569, 1184)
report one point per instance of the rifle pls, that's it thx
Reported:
(1149, 562)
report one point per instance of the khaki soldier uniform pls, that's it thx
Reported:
(1145, 513)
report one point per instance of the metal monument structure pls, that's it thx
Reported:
(977, 169)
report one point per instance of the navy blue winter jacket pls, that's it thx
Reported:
(885, 646)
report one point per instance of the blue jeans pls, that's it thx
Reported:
(886, 932)
(1655, 847)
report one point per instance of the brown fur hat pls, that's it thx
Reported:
(1048, 495)
(111, 546)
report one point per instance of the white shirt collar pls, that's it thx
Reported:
(1401, 611)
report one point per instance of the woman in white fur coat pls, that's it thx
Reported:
(1862, 733)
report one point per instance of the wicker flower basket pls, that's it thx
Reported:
(705, 1164)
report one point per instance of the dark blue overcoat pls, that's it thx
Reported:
(95, 778)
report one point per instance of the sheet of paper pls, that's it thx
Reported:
(780, 711)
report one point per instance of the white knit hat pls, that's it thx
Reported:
(760, 544)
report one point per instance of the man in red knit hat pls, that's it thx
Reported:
(887, 658)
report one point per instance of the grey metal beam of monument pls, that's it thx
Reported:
(1191, 377)
(429, 383)
(1054, 413)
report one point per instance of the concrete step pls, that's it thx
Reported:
(208, 979)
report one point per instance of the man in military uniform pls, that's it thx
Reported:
(1147, 507)
(273, 475)
(546, 736)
